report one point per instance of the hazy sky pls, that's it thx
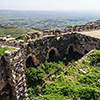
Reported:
(50, 4)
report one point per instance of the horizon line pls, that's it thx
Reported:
(44, 10)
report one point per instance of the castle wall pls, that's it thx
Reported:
(19, 43)
(13, 63)
(83, 44)
(4, 90)
(3, 77)
(41, 48)
(14, 66)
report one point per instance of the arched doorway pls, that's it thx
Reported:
(72, 55)
(70, 50)
(52, 54)
(85, 51)
(29, 62)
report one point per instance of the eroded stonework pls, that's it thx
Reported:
(14, 63)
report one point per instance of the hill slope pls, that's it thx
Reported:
(14, 31)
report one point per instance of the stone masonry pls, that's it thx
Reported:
(13, 77)
(13, 64)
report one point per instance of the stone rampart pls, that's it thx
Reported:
(14, 63)
(13, 75)
(40, 50)
(3, 77)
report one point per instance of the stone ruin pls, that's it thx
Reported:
(90, 26)
(14, 63)
(74, 28)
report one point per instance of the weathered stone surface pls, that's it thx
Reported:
(7, 53)
(99, 80)
(84, 72)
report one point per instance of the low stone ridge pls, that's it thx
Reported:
(28, 50)
(74, 28)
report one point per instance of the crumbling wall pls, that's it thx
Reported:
(42, 47)
(14, 43)
(15, 74)
(3, 77)
(4, 88)
(13, 63)
(80, 43)
(83, 44)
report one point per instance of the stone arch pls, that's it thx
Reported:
(86, 51)
(53, 52)
(31, 59)
(70, 49)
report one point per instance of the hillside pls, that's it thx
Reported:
(14, 31)
(77, 80)
(42, 20)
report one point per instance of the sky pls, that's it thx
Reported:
(50, 4)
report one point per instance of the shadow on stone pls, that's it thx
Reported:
(29, 62)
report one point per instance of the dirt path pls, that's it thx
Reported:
(92, 33)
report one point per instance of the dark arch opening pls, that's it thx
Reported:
(72, 55)
(52, 55)
(85, 51)
(29, 62)
(70, 49)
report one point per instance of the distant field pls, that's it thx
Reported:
(41, 20)
(14, 31)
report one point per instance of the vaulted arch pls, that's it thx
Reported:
(70, 50)
(31, 61)
(52, 54)
(86, 51)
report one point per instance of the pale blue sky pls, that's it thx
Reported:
(50, 4)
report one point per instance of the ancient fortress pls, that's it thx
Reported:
(36, 48)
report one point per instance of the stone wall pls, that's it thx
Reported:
(14, 63)
(74, 28)
(83, 44)
(42, 47)
(40, 50)
(14, 43)
(15, 76)
(3, 77)
(4, 87)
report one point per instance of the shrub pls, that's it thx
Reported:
(21, 37)
(89, 93)
(2, 50)
(89, 78)
(31, 92)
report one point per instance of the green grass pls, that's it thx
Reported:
(68, 82)
(2, 50)
(14, 31)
